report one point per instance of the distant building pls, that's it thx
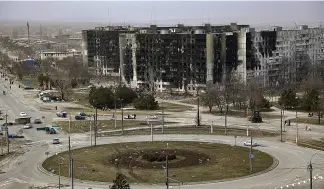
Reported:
(59, 55)
(74, 42)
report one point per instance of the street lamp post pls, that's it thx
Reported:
(122, 110)
(198, 113)
(296, 124)
(310, 168)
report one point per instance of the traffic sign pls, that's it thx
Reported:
(251, 156)
(28, 82)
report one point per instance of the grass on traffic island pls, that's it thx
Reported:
(311, 143)
(142, 162)
(82, 99)
(202, 130)
(103, 125)
(313, 120)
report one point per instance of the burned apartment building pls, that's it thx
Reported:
(100, 48)
(183, 57)
(282, 55)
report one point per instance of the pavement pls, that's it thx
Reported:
(24, 170)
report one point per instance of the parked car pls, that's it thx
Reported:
(23, 114)
(56, 141)
(28, 126)
(249, 143)
(61, 114)
(37, 121)
(79, 117)
(132, 116)
(1, 118)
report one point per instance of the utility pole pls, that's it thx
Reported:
(59, 181)
(72, 173)
(198, 116)
(226, 119)
(151, 131)
(122, 110)
(69, 124)
(115, 116)
(281, 125)
(70, 158)
(296, 127)
(96, 127)
(167, 167)
(7, 134)
(251, 156)
(310, 168)
(162, 118)
(90, 131)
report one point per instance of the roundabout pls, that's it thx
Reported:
(144, 162)
(291, 170)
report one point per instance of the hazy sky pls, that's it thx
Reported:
(166, 12)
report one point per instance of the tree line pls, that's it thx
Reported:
(109, 97)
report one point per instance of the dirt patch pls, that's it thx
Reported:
(153, 159)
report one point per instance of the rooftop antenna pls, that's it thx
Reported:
(108, 17)
(152, 16)
(155, 15)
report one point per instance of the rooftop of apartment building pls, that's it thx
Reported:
(179, 28)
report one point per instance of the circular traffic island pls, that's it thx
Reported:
(145, 162)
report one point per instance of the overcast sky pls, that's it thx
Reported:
(166, 12)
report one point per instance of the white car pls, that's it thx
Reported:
(153, 117)
(56, 141)
(28, 126)
(249, 143)
(23, 114)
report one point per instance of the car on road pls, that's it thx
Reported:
(56, 141)
(28, 126)
(23, 114)
(37, 121)
(79, 117)
(152, 117)
(1, 117)
(132, 116)
(61, 114)
(249, 143)
(82, 114)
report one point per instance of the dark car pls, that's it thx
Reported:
(79, 117)
(82, 114)
(37, 121)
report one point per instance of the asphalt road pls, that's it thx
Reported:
(25, 170)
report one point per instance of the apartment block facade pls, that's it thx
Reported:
(276, 47)
(181, 57)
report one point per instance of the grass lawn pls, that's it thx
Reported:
(174, 107)
(203, 130)
(104, 125)
(195, 162)
(313, 121)
(33, 81)
(310, 143)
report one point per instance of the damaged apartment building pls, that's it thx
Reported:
(182, 57)
(100, 49)
(281, 54)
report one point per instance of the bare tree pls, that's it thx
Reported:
(61, 82)
(255, 94)
(212, 96)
